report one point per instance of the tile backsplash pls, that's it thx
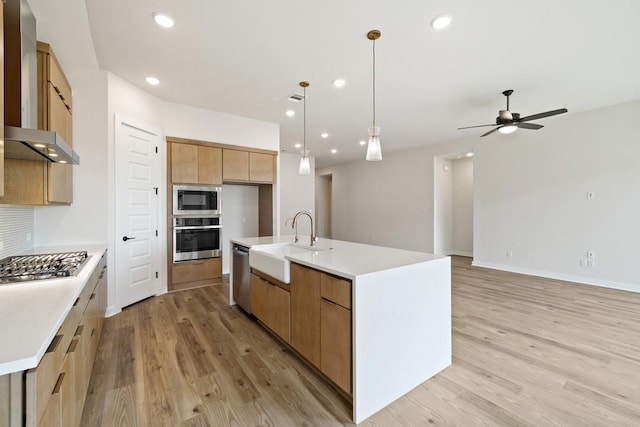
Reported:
(16, 229)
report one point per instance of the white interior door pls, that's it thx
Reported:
(136, 241)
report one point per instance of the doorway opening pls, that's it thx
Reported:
(324, 189)
(453, 204)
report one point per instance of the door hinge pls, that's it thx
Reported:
(156, 233)
(156, 190)
(156, 274)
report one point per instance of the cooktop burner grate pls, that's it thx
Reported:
(38, 267)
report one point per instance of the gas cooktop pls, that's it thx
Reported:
(38, 267)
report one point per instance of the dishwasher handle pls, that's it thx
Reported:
(240, 250)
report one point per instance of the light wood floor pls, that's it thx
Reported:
(526, 352)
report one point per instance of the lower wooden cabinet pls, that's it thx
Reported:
(55, 390)
(335, 344)
(189, 274)
(271, 304)
(305, 312)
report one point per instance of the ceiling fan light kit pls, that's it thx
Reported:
(508, 122)
(305, 167)
(374, 149)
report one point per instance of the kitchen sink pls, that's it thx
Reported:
(270, 259)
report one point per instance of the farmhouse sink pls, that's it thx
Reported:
(270, 259)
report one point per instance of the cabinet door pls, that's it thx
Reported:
(51, 416)
(305, 312)
(184, 163)
(235, 165)
(209, 165)
(261, 167)
(60, 176)
(271, 304)
(336, 344)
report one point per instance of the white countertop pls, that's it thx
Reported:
(345, 259)
(32, 312)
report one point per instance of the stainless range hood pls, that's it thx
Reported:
(22, 140)
(39, 145)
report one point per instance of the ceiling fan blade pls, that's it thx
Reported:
(490, 132)
(477, 126)
(533, 126)
(543, 115)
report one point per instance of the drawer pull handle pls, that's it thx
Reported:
(79, 330)
(93, 295)
(54, 344)
(93, 332)
(58, 386)
(77, 301)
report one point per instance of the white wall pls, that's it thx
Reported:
(443, 206)
(16, 229)
(531, 198)
(297, 192)
(389, 203)
(462, 227)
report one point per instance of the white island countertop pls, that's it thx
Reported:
(345, 259)
(32, 312)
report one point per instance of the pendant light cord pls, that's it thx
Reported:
(374, 83)
(304, 121)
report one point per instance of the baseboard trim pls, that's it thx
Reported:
(559, 276)
(111, 311)
(462, 253)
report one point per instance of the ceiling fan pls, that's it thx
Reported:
(508, 122)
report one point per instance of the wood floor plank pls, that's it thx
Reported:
(526, 351)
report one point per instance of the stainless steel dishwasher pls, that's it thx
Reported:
(242, 277)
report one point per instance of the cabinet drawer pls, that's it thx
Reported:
(51, 415)
(196, 270)
(336, 290)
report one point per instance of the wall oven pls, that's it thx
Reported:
(196, 238)
(197, 200)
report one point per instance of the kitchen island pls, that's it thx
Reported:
(400, 312)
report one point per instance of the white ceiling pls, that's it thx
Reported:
(245, 57)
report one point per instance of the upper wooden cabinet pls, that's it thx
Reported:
(55, 114)
(248, 166)
(195, 164)
(37, 182)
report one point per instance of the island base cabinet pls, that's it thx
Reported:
(335, 344)
(305, 312)
(270, 304)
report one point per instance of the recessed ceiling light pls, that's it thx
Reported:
(152, 81)
(470, 154)
(324, 135)
(441, 22)
(363, 142)
(162, 19)
(62, 161)
(53, 155)
(290, 113)
(334, 151)
(39, 145)
(297, 145)
(339, 82)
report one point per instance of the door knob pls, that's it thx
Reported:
(125, 238)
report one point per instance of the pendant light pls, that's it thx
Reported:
(374, 150)
(305, 167)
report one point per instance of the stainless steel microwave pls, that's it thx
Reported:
(197, 200)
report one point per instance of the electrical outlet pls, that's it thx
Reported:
(591, 263)
(509, 253)
(591, 195)
(28, 237)
(591, 254)
(1, 246)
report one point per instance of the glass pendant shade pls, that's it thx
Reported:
(374, 150)
(305, 167)
(508, 129)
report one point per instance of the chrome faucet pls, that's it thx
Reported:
(294, 224)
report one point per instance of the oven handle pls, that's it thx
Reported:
(205, 227)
